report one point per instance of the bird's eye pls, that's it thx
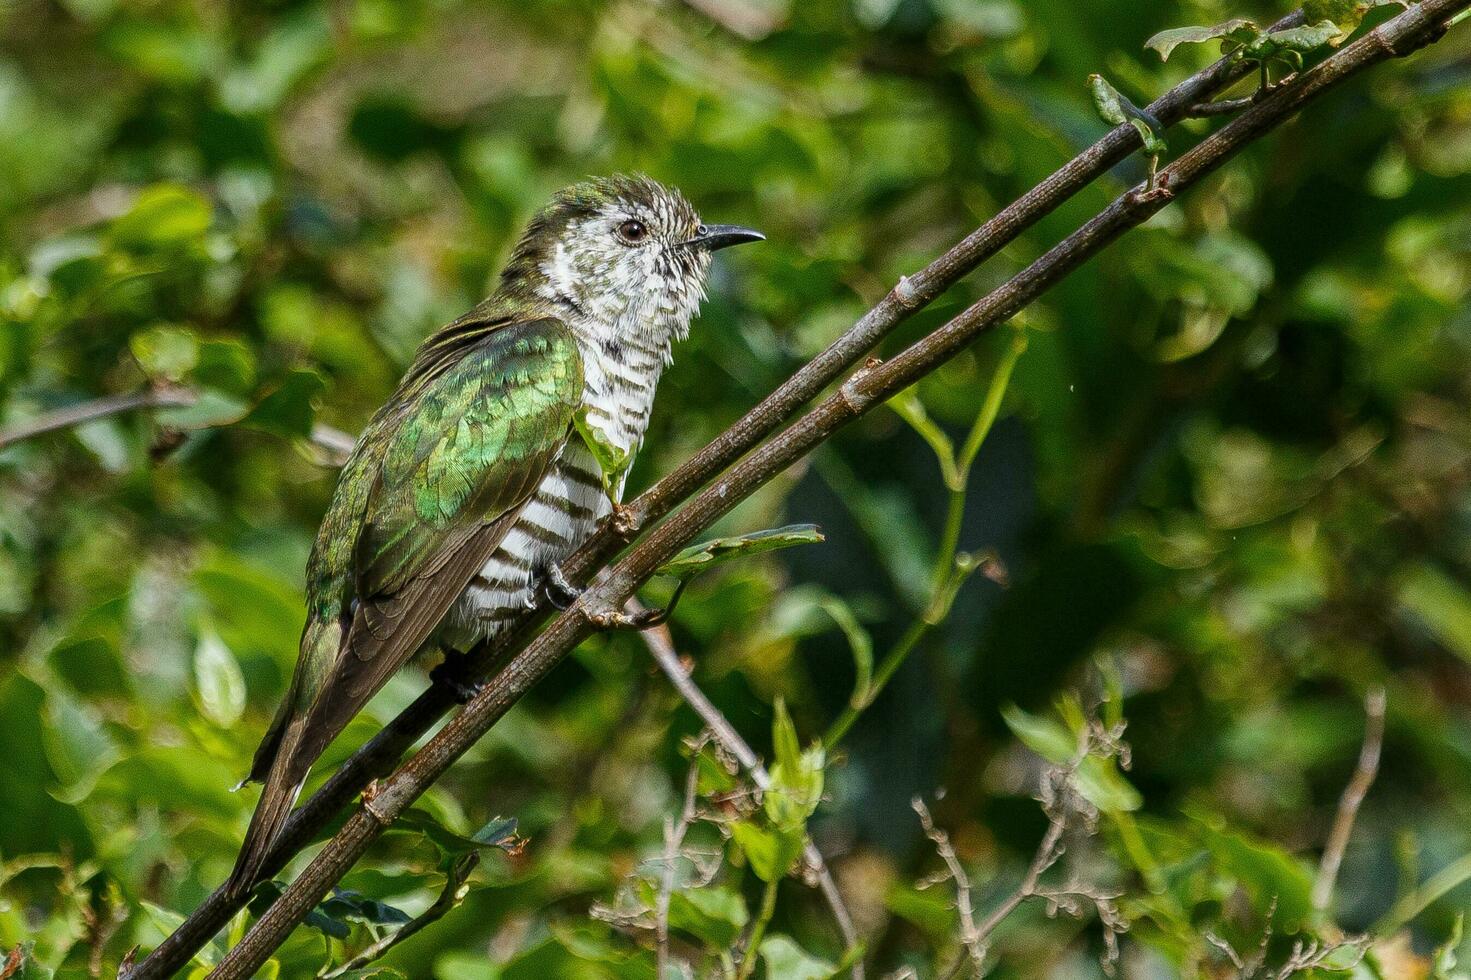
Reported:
(633, 231)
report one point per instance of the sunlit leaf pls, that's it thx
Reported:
(716, 915)
(785, 959)
(218, 679)
(1115, 108)
(1238, 31)
(701, 557)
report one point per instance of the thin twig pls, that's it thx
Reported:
(99, 408)
(661, 647)
(674, 832)
(972, 943)
(1064, 807)
(1224, 107)
(335, 444)
(1352, 798)
(453, 893)
(867, 389)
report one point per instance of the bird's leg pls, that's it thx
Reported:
(559, 592)
(450, 674)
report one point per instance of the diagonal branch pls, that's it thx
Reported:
(335, 444)
(1352, 799)
(869, 387)
(661, 648)
(100, 408)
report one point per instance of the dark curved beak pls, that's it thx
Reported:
(712, 238)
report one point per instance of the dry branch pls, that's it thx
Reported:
(661, 648)
(1352, 798)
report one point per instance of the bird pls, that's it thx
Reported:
(504, 445)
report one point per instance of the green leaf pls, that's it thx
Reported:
(1097, 779)
(165, 352)
(349, 906)
(1046, 737)
(613, 460)
(770, 852)
(499, 833)
(1444, 961)
(1300, 40)
(701, 557)
(163, 215)
(219, 681)
(1264, 870)
(715, 915)
(1441, 604)
(266, 894)
(227, 365)
(785, 959)
(1115, 108)
(210, 410)
(859, 642)
(289, 410)
(796, 777)
(1237, 32)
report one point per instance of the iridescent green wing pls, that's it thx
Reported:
(467, 446)
(471, 448)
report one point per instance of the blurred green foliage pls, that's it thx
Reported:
(1234, 461)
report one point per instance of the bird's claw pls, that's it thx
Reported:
(559, 592)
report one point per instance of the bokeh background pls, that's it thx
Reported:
(1232, 464)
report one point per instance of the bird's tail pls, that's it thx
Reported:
(282, 786)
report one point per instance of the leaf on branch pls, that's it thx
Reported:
(785, 959)
(349, 906)
(859, 641)
(1291, 44)
(211, 409)
(701, 557)
(716, 915)
(613, 460)
(266, 894)
(289, 410)
(165, 351)
(1098, 779)
(1115, 108)
(796, 775)
(1233, 34)
(499, 833)
(771, 853)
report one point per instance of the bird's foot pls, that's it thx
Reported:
(450, 675)
(559, 592)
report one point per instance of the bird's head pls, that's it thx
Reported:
(620, 253)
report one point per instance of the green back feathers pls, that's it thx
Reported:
(482, 411)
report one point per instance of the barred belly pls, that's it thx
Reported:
(559, 516)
